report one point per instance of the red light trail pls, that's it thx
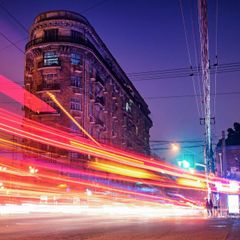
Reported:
(34, 175)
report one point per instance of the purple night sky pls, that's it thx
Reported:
(146, 36)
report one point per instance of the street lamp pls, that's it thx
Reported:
(88, 192)
(32, 170)
(175, 147)
(221, 164)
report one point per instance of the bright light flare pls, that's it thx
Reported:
(123, 170)
(16, 92)
(122, 210)
(191, 183)
(175, 147)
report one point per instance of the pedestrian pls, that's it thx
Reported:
(215, 207)
(209, 207)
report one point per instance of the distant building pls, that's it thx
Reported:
(228, 154)
(66, 57)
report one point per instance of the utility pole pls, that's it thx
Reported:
(203, 29)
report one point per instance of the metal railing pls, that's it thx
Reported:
(44, 86)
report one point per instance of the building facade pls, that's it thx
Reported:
(227, 155)
(66, 57)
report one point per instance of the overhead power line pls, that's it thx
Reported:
(182, 72)
(14, 18)
(94, 6)
(10, 45)
(165, 142)
(190, 95)
(216, 55)
(5, 37)
(183, 147)
(189, 56)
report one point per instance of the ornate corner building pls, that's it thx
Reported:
(66, 57)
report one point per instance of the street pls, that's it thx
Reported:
(119, 120)
(76, 227)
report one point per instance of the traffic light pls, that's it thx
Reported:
(187, 162)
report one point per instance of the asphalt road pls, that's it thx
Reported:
(92, 227)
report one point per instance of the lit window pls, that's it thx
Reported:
(50, 58)
(76, 59)
(128, 108)
(76, 81)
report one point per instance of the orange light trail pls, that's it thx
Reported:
(72, 118)
(86, 147)
(94, 151)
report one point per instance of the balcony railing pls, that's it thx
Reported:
(48, 87)
(37, 41)
(76, 90)
(99, 80)
(99, 122)
(100, 100)
(44, 65)
(77, 68)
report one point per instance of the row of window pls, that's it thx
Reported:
(75, 104)
(76, 81)
(53, 34)
(51, 59)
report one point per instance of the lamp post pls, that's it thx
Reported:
(175, 147)
(221, 166)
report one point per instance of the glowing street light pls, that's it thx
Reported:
(175, 147)
(88, 192)
(3, 169)
(184, 164)
(32, 170)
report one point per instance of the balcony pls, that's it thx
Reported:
(114, 115)
(76, 113)
(114, 95)
(91, 119)
(41, 65)
(92, 77)
(99, 122)
(76, 90)
(54, 87)
(100, 100)
(99, 80)
(43, 40)
(77, 68)
(91, 97)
